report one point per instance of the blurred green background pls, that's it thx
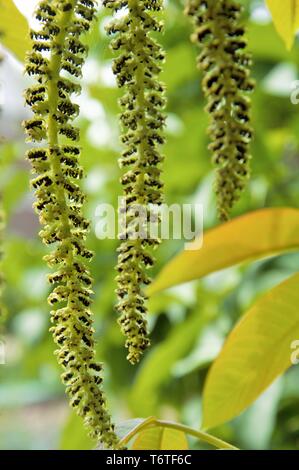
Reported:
(188, 323)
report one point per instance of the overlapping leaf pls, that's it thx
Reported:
(253, 236)
(257, 351)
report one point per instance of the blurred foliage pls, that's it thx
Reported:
(189, 322)
(15, 38)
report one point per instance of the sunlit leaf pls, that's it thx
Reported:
(286, 18)
(159, 438)
(257, 351)
(14, 29)
(253, 236)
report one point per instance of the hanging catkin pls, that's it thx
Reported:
(2, 225)
(226, 68)
(2, 307)
(56, 62)
(137, 68)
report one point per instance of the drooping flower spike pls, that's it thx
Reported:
(56, 63)
(2, 227)
(226, 67)
(2, 282)
(137, 68)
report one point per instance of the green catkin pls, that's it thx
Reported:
(226, 83)
(2, 281)
(56, 61)
(137, 68)
(2, 227)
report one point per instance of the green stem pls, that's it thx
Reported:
(139, 186)
(200, 435)
(55, 67)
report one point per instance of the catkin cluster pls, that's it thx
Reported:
(2, 226)
(226, 68)
(2, 308)
(56, 62)
(137, 68)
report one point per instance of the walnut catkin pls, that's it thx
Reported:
(56, 61)
(2, 227)
(2, 281)
(137, 68)
(226, 83)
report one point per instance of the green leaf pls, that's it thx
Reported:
(286, 18)
(256, 352)
(159, 438)
(14, 29)
(250, 237)
(74, 435)
(157, 366)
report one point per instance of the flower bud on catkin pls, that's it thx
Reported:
(137, 68)
(2, 281)
(56, 61)
(226, 83)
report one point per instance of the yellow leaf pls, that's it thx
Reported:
(253, 236)
(127, 429)
(285, 16)
(159, 438)
(257, 351)
(14, 29)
